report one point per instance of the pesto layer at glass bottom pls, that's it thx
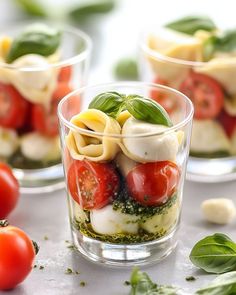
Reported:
(115, 225)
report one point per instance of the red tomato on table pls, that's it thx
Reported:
(46, 121)
(92, 185)
(162, 98)
(13, 107)
(228, 122)
(9, 190)
(17, 254)
(206, 94)
(152, 184)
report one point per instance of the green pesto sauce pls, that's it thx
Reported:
(127, 205)
(121, 238)
(17, 160)
(218, 154)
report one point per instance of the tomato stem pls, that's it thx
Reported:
(36, 247)
(4, 223)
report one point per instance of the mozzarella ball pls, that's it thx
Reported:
(219, 211)
(208, 136)
(107, 221)
(9, 142)
(33, 79)
(149, 149)
(162, 222)
(37, 147)
(124, 164)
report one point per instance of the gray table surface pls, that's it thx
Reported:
(46, 215)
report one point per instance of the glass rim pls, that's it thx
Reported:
(78, 91)
(66, 62)
(159, 56)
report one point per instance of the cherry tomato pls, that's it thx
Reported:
(206, 94)
(17, 254)
(92, 185)
(46, 121)
(13, 107)
(152, 184)
(162, 98)
(228, 122)
(65, 74)
(9, 190)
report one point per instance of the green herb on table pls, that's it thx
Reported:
(214, 254)
(41, 267)
(126, 69)
(35, 266)
(69, 271)
(190, 24)
(82, 284)
(224, 284)
(190, 279)
(35, 39)
(72, 247)
(45, 238)
(141, 284)
(144, 109)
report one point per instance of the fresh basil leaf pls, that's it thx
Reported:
(214, 254)
(38, 39)
(33, 8)
(226, 42)
(223, 285)
(141, 284)
(190, 24)
(91, 8)
(126, 69)
(147, 110)
(109, 102)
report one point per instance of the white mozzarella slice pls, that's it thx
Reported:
(107, 221)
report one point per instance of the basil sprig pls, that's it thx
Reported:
(226, 42)
(214, 254)
(38, 39)
(141, 108)
(223, 285)
(190, 24)
(141, 284)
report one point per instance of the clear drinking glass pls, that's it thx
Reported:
(30, 89)
(108, 168)
(210, 85)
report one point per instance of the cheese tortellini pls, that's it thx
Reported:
(160, 147)
(93, 147)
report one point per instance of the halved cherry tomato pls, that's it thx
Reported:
(9, 190)
(162, 98)
(152, 184)
(228, 122)
(92, 185)
(13, 107)
(17, 254)
(206, 94)
(46, 121)
(65, 74)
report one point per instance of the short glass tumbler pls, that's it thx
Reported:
(124, 187)
(211, 87)
(30, 88)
